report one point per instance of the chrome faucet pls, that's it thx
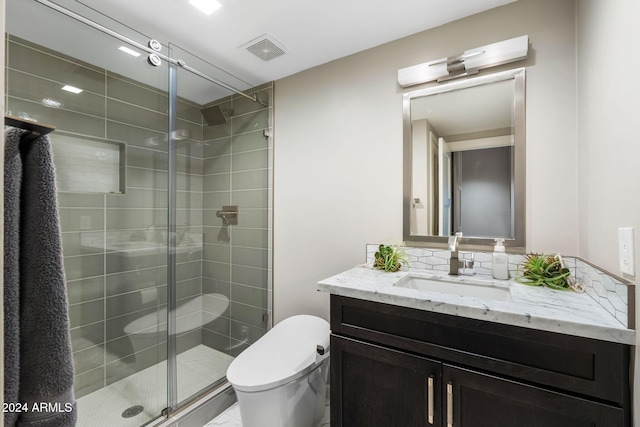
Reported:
(453, 248)
(455, 264)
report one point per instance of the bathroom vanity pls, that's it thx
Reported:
(413, 357)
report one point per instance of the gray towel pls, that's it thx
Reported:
(45, 356)
(12, 185)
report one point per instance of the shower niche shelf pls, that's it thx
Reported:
(89, 165)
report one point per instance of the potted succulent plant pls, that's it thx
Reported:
(544, 270)
(389, 258)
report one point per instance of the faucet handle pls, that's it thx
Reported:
(453, 242)
(469, 263)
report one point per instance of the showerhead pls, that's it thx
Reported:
(256, 99)
(214, 116)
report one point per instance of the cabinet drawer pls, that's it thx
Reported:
(579, 365)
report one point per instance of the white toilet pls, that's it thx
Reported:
(281, 379)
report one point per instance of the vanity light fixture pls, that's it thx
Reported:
(206, 6)
(129, 51)
(467, 63)
(421, 73)
(72, 89)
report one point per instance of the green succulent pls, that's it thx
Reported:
(389, 258)
(543, 270)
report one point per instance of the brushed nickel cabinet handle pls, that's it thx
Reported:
(430, 400)
(449, 405)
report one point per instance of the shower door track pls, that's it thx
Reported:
(121, 37)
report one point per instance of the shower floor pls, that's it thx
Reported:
(197, 368)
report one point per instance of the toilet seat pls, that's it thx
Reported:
(283, 354)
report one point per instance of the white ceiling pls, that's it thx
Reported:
(312, 33)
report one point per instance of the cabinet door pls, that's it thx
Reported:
(473, 399)
(374, 386)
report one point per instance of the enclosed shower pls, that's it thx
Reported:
(164, 185)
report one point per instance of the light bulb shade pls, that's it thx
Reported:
(496, 53)
(467, 63)
(421, 73)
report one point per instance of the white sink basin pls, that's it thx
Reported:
(468, 288)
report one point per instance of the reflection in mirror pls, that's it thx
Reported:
(464, 160)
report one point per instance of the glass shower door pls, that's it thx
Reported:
(110, 108)
(222, 192)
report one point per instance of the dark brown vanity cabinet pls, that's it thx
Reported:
(382, 387)
(395, 366)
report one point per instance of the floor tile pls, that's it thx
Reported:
(231, 418)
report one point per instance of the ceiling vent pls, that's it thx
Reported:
(265, 47)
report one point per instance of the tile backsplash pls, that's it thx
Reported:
(610, 292)
(438, 259)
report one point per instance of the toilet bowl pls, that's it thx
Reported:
(281, 379)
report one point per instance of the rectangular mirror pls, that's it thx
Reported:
(464, 161)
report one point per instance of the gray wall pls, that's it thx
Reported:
(608, 151)
(338, 154)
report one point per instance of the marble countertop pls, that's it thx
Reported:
(540, 308)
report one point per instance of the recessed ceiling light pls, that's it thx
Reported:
(206, 6)
(129, 51)
(71, 89)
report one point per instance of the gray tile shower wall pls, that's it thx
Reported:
(115, 244)
(237, 169)
(607, 290)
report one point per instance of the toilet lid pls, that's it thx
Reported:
(286, 352)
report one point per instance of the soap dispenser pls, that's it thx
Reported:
(500, 261)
